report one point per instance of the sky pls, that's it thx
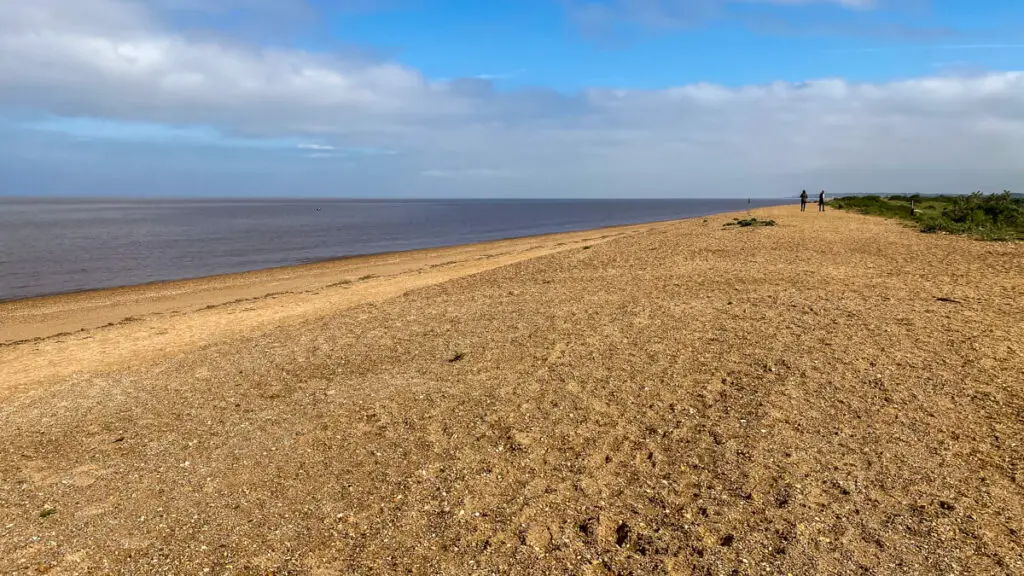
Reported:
(510, 98)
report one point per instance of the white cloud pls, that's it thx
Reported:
(118, 60)
(86, 57)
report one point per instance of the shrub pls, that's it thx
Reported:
(750, 222)
(991, 217)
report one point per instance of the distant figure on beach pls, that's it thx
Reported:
(821, 201)
(803, 200)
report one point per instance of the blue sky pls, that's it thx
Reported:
(541, 98)
(541, 42)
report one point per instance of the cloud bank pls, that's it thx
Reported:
(127, 62)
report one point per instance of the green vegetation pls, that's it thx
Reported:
(750, 222)
(989, 217)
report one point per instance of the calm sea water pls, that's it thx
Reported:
(50, 246)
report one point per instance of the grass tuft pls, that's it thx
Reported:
(749, 222)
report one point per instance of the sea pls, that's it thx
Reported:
(52, 246)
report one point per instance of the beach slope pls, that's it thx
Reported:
(837, 394)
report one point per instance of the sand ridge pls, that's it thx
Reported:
(835, 395)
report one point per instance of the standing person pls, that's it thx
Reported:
(821, 201)
(803, 200)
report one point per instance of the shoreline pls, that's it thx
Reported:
(310, 273)
(337, 259)
(26, 319)
(38, 283)
(108, 327)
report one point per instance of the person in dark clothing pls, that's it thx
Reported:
(803, 200)
(821, 201)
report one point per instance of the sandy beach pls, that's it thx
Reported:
(837, 394)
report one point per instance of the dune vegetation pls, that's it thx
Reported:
(985, 216)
